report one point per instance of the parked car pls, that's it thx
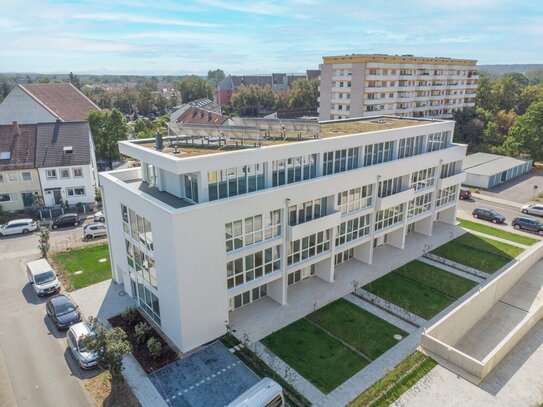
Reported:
(465, 193)
(488, 214)
(69, 219)
(86, 359)
(99, 217)
(62, 311)
(536, 209)
(42, 277)
(526, 223)
(94, 230)
(15, 227)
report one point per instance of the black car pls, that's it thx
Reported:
(526, 223)
(488, 214)
(62, 311)
(69, 219)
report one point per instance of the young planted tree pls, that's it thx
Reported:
(43, 242)
(109, 344)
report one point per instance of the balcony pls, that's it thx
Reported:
(313, 226)
(452, 180)
(394, 200)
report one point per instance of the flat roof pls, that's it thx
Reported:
(397, 59)
(182, 146)
(489, 164)
(165, 197)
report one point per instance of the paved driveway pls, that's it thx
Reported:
(520, 189)
(210, 377)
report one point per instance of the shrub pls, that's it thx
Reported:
(130, 315)
(141, 331)
(154, 347)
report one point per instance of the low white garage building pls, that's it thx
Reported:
(485, 170)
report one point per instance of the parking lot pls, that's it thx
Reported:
(209, 377)
(520, 189)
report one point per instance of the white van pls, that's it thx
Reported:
(266, 393)
(42, 277)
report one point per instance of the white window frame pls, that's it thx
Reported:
(72, 190)
(48, 174)
(77, 169)
(23, 178)
(15, 175)
(67, 170)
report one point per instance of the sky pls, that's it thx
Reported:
(190, 37)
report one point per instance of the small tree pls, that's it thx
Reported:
(43, 242)
(109, 344)
(141, 331)
(154, 347)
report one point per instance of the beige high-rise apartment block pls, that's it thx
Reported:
(401, 85)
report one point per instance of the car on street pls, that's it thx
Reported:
(488, 214)
(68, 219)
(465, 193)
(94, 230)
(42, 277)
(536, 209)
(527, 223)
(62, 311)
(76, 333)
(99, 217)
(15, 227)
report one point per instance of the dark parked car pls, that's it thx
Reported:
(526, 223)
(488, 214)
(465, 193)
(69, 219)
(62, 311)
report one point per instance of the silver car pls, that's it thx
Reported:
(86, 359)
(94, 230)
(536, 209)
(15, 227)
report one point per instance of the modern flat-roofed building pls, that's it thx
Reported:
(402, 85)
(485, 170)
(208, 225)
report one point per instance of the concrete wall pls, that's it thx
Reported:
(19, 106)
(441, 337)
(477, 181)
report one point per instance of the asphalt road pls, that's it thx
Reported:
(36, 368)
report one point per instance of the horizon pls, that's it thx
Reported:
(130, 38)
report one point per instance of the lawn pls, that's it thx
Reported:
(433, 277)
(86, 260)
(321, 359)
(396, 382)
(364, 331)
(409, 295)
(503, 234)
(481, 253)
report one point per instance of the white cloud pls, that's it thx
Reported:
(133, 18)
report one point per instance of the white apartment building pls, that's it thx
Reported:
(201, 230)
(401, 85)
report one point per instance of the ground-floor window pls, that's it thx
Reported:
(344, 256)
(248, 296)
(8, 197)
(77, 191)
(145, 297)
(411, 227)
(294, 277)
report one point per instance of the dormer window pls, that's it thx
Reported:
(68, 149)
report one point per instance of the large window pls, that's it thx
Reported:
(389, 187)
(378, 153)
(419, 205)
(26, 176)
(191, 187)
(308, 246)
(235, 181)
(450, 169)
(447, 195)
(340, 160)
(355, 199)
(294, 169)
(138, 227)
(146, 298)
(389, 217)
(353, 229)
(254, 229)
(252, 266)
(437, 141)
(423, 178)
(8, 197)
(307, 211)
(152, 177)
(248, 296)
(344, 256)
(76, 191)
(410, 146)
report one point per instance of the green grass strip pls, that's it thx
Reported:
(503, 234)
(396, 382)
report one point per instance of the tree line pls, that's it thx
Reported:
(507, 118)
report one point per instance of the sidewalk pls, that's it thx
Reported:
(496, 200)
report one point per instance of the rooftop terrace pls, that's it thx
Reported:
(220, 139)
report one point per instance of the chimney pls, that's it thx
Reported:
(15, 128)
(158, 141)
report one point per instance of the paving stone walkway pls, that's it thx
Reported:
(498, 239)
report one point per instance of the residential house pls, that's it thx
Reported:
(66, 162)
(196, 115)
(205, 104)
(19, 180)
(45, 102)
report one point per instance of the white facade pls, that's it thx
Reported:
(200, 260)
(72, 183)
(19, 106)
(408, 86)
